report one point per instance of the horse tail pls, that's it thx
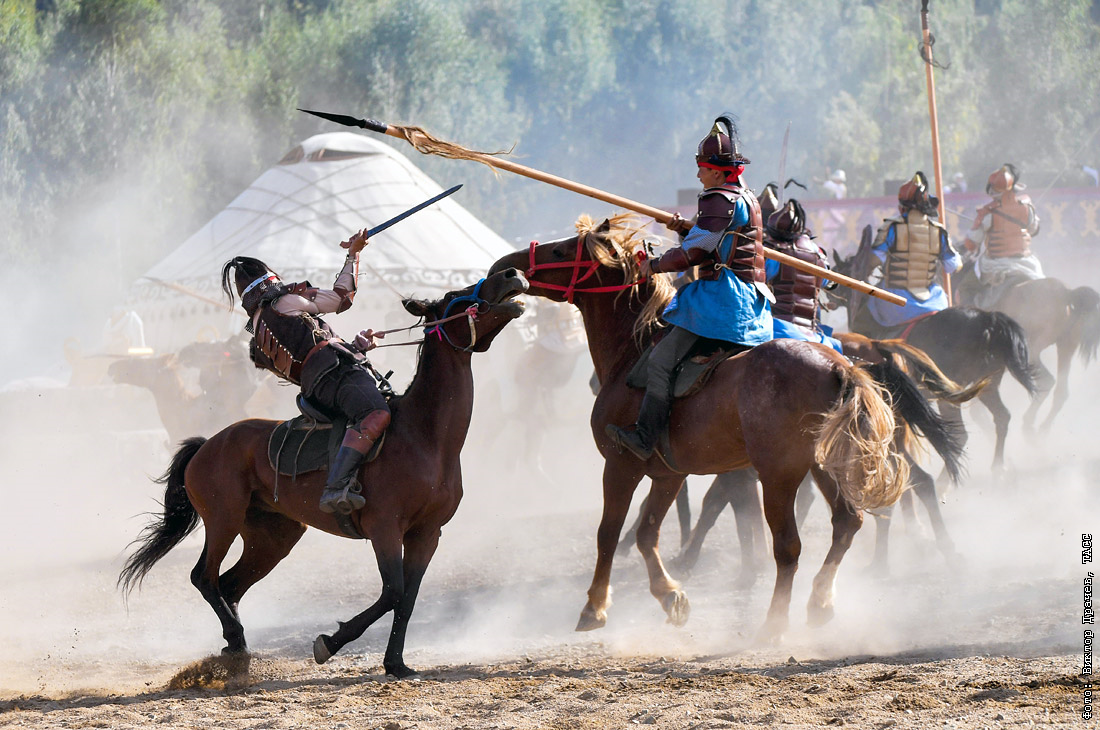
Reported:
(1008, 342)
(165, 532)
(915, 361)
(917, 413)
(1085, 311)
(855, 443)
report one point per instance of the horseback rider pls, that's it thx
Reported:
(291, 340)
(911, 247)
(728, 302)
(1001, 238)
(794, 313)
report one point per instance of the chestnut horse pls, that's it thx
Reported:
(785, 408)
(967, 344)
(412, 489)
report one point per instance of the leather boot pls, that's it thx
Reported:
(342, 491)
(652, 420)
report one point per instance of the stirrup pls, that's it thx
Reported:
(630, 440)
(345, 501)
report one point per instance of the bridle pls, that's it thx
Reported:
(577, 265)
(435, 326)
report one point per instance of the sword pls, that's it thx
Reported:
(415, 209)
(783, 163)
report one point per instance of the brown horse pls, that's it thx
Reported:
(968, 344)
(412, 489)
(785, 408)
(1052, 315)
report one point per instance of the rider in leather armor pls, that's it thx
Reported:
(794, 313)
(291, 340)
(728, 302)
(912, 246)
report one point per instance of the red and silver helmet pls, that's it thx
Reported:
(769, 201)
(787, 223)
(720, 149)
(915, 194)
(1002, 180)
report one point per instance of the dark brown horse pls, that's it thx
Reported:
(968, 344)
(1052, 315)
(785, 408)
(412, 489)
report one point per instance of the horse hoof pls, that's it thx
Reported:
(677, 607)
(819, 615)
(321, 652)
(402, 672)
(591, 619)
(745, 580)
(770, 634)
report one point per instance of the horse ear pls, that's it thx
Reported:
(416, 307)
(836, 258)
(604, 227)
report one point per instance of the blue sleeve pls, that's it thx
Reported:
(880, 250)
(771, 269)
(950, 258)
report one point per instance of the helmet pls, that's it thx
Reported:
(1002, 180)
(914, 194)
(787, 223)
(720, 149)
(838, 176)
(769, 200)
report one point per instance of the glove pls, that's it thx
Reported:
(356, 243)
(364, 341)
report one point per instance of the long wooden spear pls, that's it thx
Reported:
(926, 54)
(429, 145)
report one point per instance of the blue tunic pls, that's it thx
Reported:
(726, 308)
(891, 315)
(784, 330)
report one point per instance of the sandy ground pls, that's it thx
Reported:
(994, 642)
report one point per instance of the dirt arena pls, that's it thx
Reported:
(993, 642)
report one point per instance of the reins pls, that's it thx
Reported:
(576, 265)
(435, 326)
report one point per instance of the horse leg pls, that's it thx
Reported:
(387, 551)
(666, 590)
(744, 498)
(803, 499)
(683, 513)
(204, 576)
(714, 501)
(620, 479)
(779, 493)
(630, 537)
(1061, 384)
(880, 563)
(924, 486)
(846, 522)
(1044, 382)
(268, 538)
(419, 549)
(991, 398)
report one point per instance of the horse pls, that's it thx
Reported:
(1052, 315)
(969, 345)
(891, 362)
(412, 488)
(785, 408)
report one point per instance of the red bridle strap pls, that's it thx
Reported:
(576, 265)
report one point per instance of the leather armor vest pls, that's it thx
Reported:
(796, 291)
(1008, 237)
(911, 261)
(744, 245)
(282, 342)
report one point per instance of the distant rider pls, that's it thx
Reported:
(291, 340)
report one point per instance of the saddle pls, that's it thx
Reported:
(308, 442)
(694, 371)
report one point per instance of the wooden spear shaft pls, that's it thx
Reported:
(936, 166)
(657, 214)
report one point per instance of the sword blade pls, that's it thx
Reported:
(782, 181)
(415, 209)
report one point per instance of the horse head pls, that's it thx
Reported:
(488, 306)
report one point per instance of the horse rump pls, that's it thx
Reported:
(167, 530)
(855, 443)
(1085, 305)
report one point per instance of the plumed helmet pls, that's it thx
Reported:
(769, 200)
(787, 223)
(252, 281)
(1002, 180)
(720, 149)
(915, 194)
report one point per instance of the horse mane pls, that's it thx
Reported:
(616, 248)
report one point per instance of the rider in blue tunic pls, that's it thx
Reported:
(794, 314)
(728, 302)
(911, 247)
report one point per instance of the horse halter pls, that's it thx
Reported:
(436, 326)
(576, 265)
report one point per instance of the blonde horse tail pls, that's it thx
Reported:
(856, 445)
